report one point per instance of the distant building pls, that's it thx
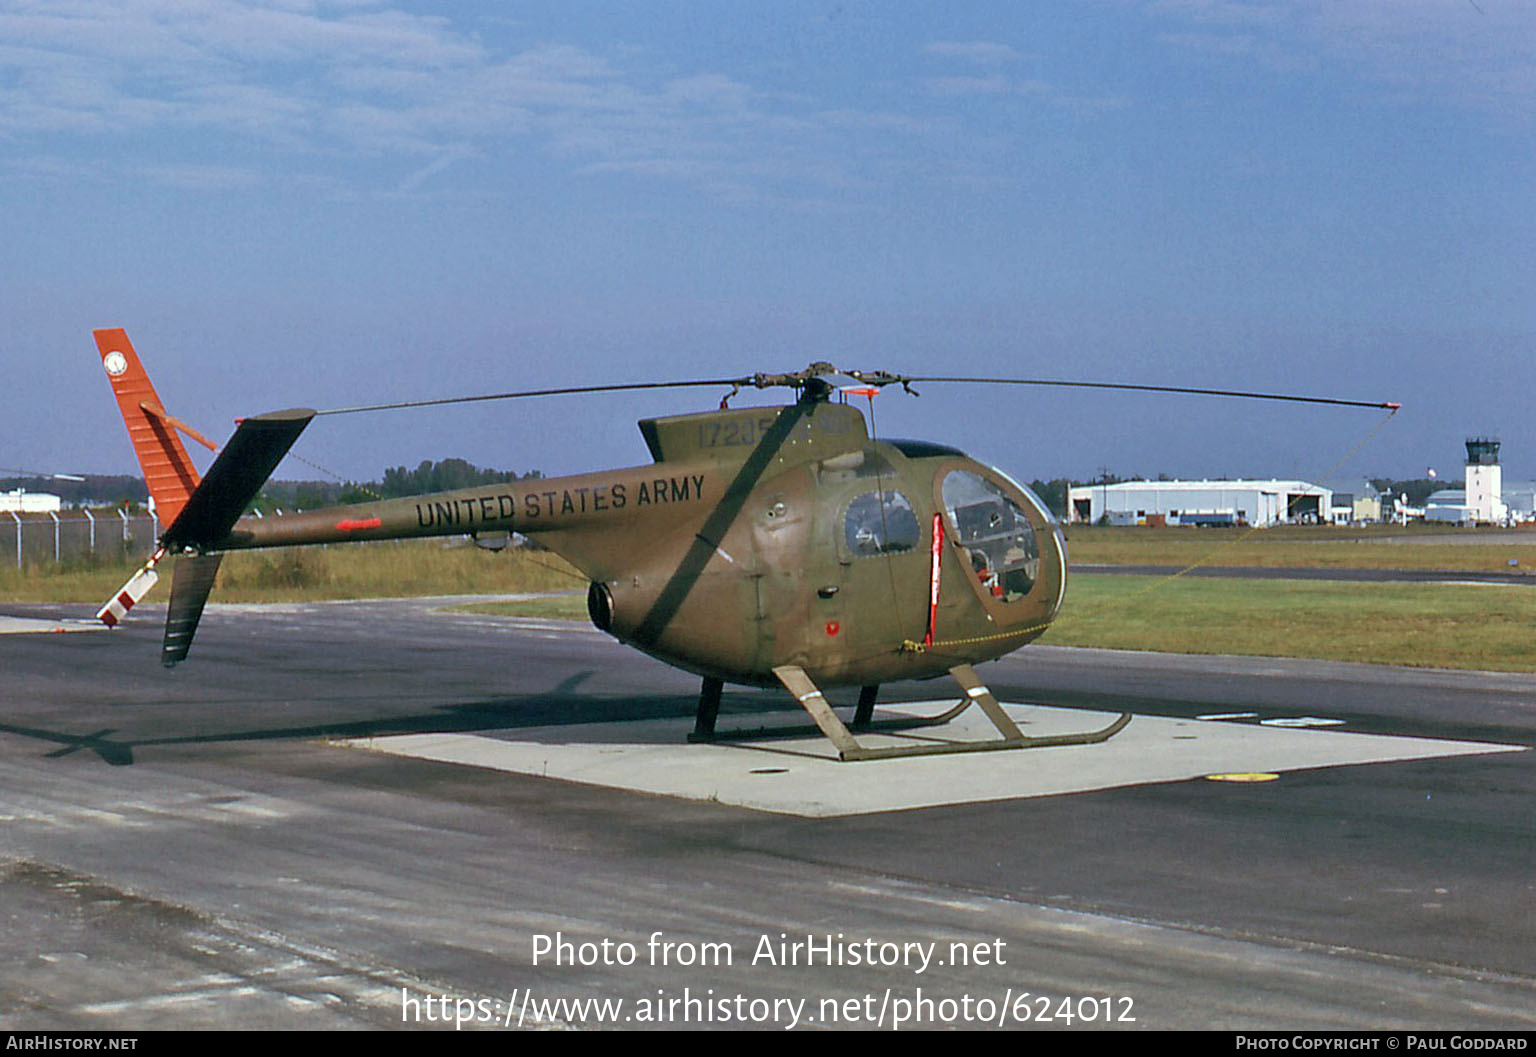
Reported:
(1360, 505)
(1517, 502)
(1485, 481)
(1520, 500)
(1483, 500)
(21, 502)
(1212, 503)
(1448, 505)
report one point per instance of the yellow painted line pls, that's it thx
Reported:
(1256, 776)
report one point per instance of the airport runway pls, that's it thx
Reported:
(254, 840)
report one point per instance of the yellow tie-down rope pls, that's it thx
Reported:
(912, 646)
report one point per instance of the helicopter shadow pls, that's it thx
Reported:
(562, 707)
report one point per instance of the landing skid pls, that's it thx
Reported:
(799, 684)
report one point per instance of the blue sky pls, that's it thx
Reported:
(327, 202)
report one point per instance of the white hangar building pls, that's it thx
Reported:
(20, 502)
(1200, 502)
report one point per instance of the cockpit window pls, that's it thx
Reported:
(995, 534)
(881, 523)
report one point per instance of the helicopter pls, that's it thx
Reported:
(764, 546)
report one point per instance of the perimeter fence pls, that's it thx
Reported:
(74, 536)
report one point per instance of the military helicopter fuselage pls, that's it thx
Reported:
(761, 545)
(764, 537)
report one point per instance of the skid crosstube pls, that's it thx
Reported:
(799, 684)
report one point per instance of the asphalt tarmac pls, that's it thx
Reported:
(237, 843)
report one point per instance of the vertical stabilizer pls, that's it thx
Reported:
(191, 581)
(168, 472)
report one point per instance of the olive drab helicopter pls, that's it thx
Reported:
(766, 546)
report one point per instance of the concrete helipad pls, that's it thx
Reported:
(801, 776)
(30, 625)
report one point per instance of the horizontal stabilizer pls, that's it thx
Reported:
(190, 583)
(244, 465)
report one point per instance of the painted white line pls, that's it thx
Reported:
(1229, 715)
(1302, 721)
(564, 627)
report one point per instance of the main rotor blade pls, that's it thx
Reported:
(801, 379)
(537, 392)
(39, 473)
(1380, 405)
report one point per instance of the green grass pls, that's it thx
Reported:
(389, 570)
(69, 582)
(1295, 548)
(1416, 625)
(306, 574)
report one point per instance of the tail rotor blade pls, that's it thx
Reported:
(131, 593)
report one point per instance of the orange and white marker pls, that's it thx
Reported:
(132, 593)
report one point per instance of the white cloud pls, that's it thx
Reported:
(1225, 12)
(203, 177)
(205, 88)
(957, 86)
(313, 77)
(998, 86)
(983, 53)
(1479, 56)
(991, 82)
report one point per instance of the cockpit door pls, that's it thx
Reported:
(994, 529)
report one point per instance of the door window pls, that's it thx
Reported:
(995, 534)
(881, 523)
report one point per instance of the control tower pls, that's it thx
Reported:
(1485, 481)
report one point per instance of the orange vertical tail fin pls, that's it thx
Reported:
(168, 472)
